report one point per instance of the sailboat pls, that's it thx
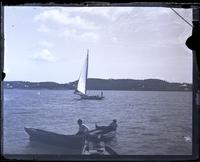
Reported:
(81, 88)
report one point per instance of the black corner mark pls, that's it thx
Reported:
(193, 42)
(3, 75)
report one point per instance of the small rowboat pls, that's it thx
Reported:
(73, 142)
(47, 137)
(97, 135)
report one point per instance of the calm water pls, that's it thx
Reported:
(149, 123)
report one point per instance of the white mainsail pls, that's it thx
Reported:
(83, 76)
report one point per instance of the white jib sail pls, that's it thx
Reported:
(83, 77)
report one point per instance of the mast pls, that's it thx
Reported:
(87, 59)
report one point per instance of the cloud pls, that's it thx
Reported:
(90, 24)
(51, 14)
(89, 37)
(44, 55)
(82, 23)
(79, 17)
(64, 18)
(81, 36)
(105, 12)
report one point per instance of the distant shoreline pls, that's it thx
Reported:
(101, 90)
(104, 84)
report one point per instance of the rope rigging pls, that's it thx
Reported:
(181, 17)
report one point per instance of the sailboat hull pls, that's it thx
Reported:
(85, 97)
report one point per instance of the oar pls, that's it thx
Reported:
(110, 150)
(92, 130)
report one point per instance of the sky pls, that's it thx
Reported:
(50, 43)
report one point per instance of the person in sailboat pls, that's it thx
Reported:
(101, 94)
(105, 129)
(83, 129)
